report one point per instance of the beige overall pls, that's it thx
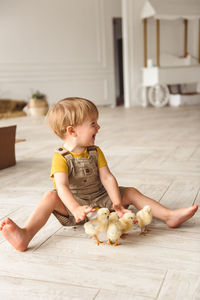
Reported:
(84, 183)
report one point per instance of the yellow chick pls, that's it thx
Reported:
(127, 221)
(98, 225)
(117, 227)
(114, 230)
(144, 217)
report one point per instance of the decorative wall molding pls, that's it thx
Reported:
(50, 74)
(94, 75)
(99, 62)
(96, 89)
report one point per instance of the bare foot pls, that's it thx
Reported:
(15, 235)
(179, 216)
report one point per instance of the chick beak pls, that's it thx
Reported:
(135, 221)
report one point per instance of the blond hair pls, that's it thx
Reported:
(71, 111)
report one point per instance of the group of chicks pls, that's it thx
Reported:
(114, 226)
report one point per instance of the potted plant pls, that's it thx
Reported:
(38, 104)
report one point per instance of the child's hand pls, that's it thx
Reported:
(120, 210)
(81, 211)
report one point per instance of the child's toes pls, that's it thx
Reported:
(2, 225)
(5, 222)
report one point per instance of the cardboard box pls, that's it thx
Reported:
(7, 146)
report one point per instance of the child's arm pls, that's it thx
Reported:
(66, 196)
(112, 188)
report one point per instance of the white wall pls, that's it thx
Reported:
(193, 37)
(63, 48)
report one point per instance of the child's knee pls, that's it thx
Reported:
(131, 190)
(51, 196)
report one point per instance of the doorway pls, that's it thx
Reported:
(118, 61)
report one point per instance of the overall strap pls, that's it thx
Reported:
(92, 150)
(65, 153)
(68, 157)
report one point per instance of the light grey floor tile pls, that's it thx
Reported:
(155, 150)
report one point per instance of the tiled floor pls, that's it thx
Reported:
(155, 150)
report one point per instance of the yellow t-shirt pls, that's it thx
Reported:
(59, 163)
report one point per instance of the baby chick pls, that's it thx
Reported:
(144, 217)
(114, 230)
(127, 221)
(97, 225)
(117, 227)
